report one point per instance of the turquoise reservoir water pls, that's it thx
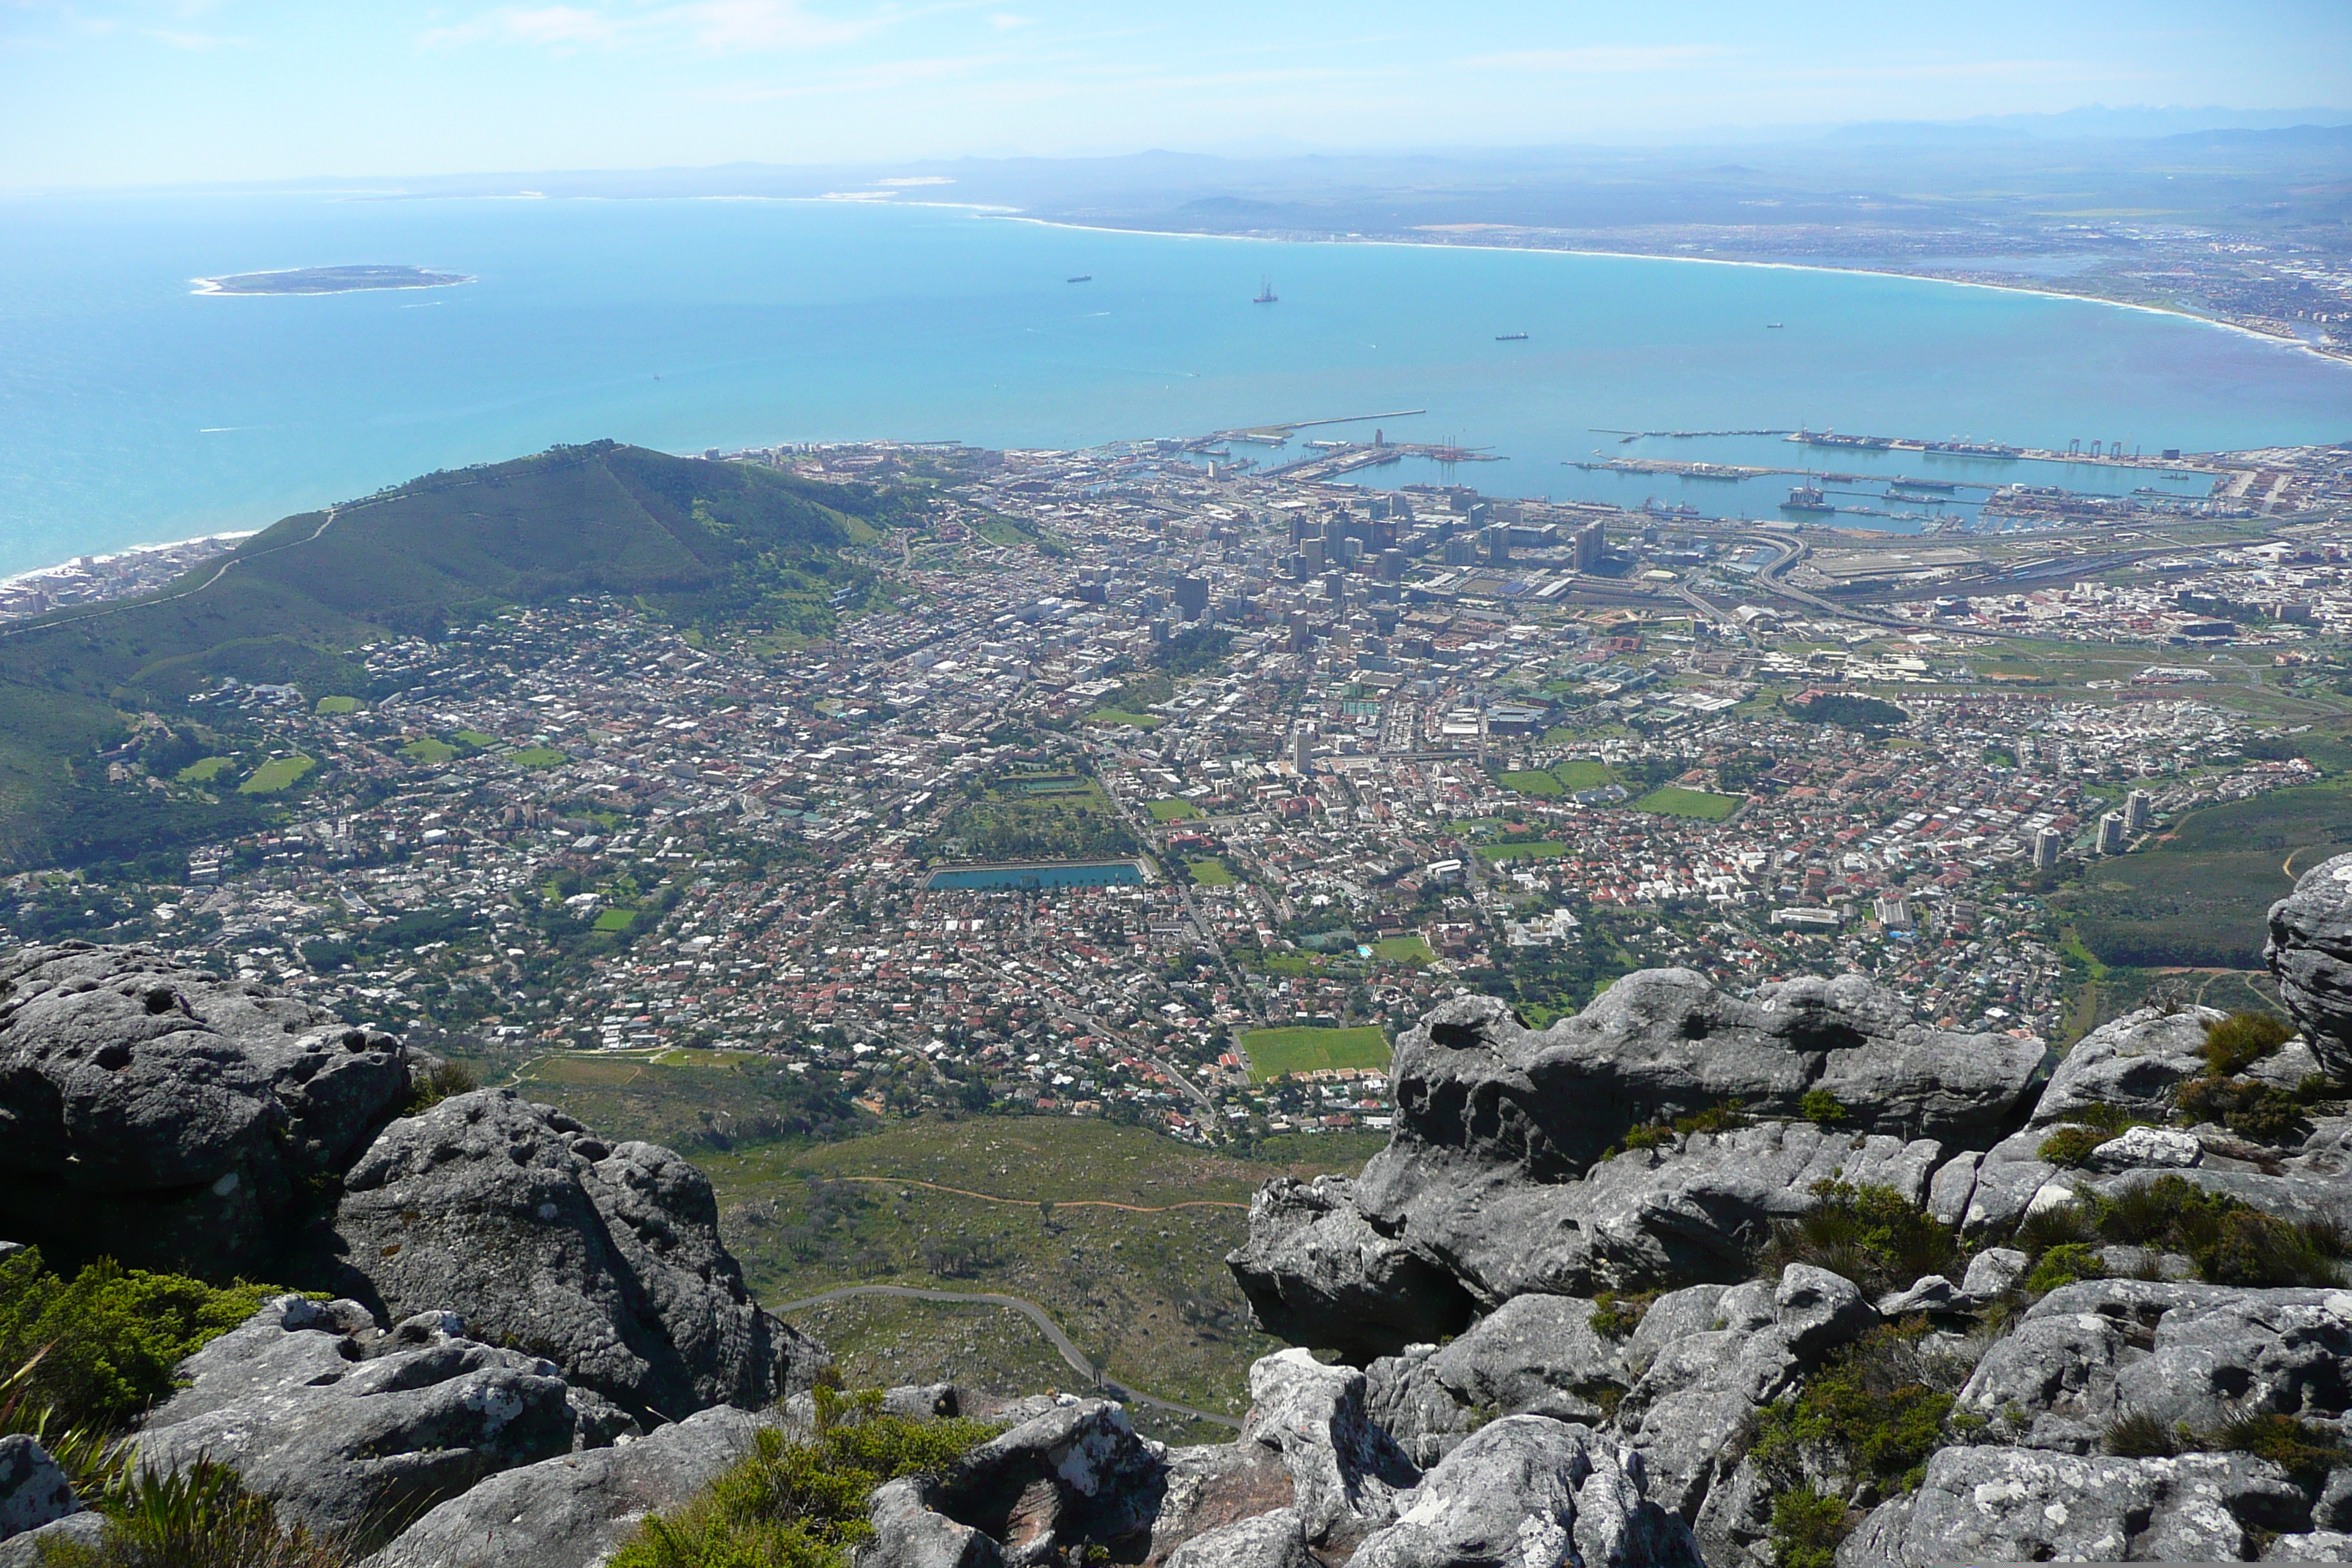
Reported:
(132, 409)
(1096, 874)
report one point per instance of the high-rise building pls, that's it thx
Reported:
(1191, 596)
(1494, 539)
(2139, 810)
(1302, 750)
(1461, 552)
(2046, 845)
(2111, 833)
(1588, 546)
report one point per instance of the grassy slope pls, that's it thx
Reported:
(1146, 1293)
(705, 543)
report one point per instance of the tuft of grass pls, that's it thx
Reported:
(1871, 1235)
(2237, 1042)
(2071, 1146)
(201, 1517)
(802, 1505)
(2140, 1435)
(2261, 1111)
(1615, 1317)
(443, 1082)
(1723, 1118)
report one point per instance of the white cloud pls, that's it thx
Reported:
(1006, 20)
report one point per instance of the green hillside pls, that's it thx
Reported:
(711, 546)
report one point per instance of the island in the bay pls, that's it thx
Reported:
(329, 281)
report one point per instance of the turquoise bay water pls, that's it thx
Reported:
(133, 410)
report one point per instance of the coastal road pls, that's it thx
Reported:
(1070, 1354)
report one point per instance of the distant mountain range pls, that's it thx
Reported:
(703, 544)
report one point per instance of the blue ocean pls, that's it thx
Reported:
(134, 410)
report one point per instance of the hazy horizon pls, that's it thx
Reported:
(199, 92)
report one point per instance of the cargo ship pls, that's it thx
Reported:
(1510, 337)
(1081, 278)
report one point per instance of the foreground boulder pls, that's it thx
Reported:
(351, 1434)
(1494, 1181)
(576, 1508)
(2310, 951)
(2028, 1505)
(605, 1259)
(167, 1118)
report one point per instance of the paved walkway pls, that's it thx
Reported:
(1030, 1310)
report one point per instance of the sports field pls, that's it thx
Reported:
(1273, 1052)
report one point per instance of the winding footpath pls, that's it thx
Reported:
(1036, 1314)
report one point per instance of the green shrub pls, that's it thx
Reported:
(1821, 1108)
(2230, 1242)
(1615, 1316)
(1864, 1425)
(802, 1505)
(1723, 1118)
(109, 1339)
(1871, 1235)
(2065, 1265)
(1807, 1528)
(2262, 1111)
(2140, 1435)
(2302, 1450)
(198, 1517)
(1648, 1137)
(2071, 1146)
(2239, 1041)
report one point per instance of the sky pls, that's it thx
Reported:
(99, 93)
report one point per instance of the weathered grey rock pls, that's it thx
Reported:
(2319, 1546)
(1948, 1191)
(1531, 1490)
(2147, 1149)
(165, 1117)
(33, 1490)
(1076, 1474)
(1991, 1504)
(2007, 1180)
(1931, 1293)
(2310, 951)
(1701, 1390)
(31, 1548)
(1315, 1273)
(1696, 1209)
(575, 1510)
(1992, 1271)
(1533, 1355)
(605, 1259)
(289, 1342)
(2147, 1263)
(2288, 1067)
(2199, 1354)
(1272, 1540)
(2297, 1194)
(1491, 1176)
(2130, 1064)
(910, 1534)
(366, 1449)
(1213, 1486)
(1345, 1472)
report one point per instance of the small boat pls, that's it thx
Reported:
(1081, 278)
(1265, 294)
(1510, 337)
